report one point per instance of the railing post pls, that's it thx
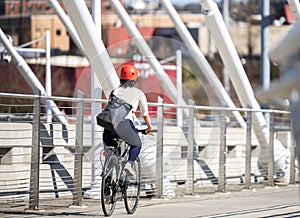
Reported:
(248, 149)
(190, 152)
(271, 151)
(35, 155)
(77, 190)
(293, 152)
(222, 154)
(159, 151)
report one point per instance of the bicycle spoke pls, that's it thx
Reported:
(109, 186)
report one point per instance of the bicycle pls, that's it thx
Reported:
(115, 181)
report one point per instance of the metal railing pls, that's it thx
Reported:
(208, 151)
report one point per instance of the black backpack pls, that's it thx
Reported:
(115, 112)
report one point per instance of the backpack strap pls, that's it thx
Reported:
(111, 94)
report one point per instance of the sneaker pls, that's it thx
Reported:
(128, 169)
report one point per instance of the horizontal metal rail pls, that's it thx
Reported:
(195, 141)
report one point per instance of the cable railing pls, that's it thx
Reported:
(201, 149)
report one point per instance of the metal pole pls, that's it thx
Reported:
(159, 150)
(96, 89)
(293, 157)
(226, 12)
(248, 150)
(35, 155)
(179, 85)
(96, 93)
(210, 45)
(77, 191)
(271, 151)
(96, 12)
(222, 154)
(295, 121)
(48, 77)
(265, 45)
(190, 152)
(226, 80)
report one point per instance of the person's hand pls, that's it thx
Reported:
(148, 130)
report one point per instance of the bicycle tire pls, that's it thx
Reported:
(109, 185)
(133, 188)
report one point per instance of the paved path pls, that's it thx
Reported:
(279, 201)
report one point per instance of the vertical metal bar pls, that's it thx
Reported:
(35, 154)
(225, 13)
(159, 151)
(48, 81)
(293, 156)
(77, 191)
(271, 151)
(295, 130)
(96, 93)
(222, 154)
(265, 45)
(190, 152)
(248, 149)
(179, 85)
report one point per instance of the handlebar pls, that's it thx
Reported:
(143, 131)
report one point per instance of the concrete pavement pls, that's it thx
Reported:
(278, 201)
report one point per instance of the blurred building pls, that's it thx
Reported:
(27, 20)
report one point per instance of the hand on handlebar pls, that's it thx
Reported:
(148, 130)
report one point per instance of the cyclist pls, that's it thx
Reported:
(126, 129)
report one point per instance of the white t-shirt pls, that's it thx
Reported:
(135, 97)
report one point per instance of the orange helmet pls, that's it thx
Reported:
(129, 72)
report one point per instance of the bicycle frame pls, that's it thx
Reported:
(115, 181)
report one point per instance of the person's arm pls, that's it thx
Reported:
(145, 113)
(148, 122)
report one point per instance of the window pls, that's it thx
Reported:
(11, 7)
(29, 7)
(58, 32)
(184, 151)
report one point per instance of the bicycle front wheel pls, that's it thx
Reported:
(109, 185)
(133, 188)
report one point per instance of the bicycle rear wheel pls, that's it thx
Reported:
(133, 188)
(109, 185)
